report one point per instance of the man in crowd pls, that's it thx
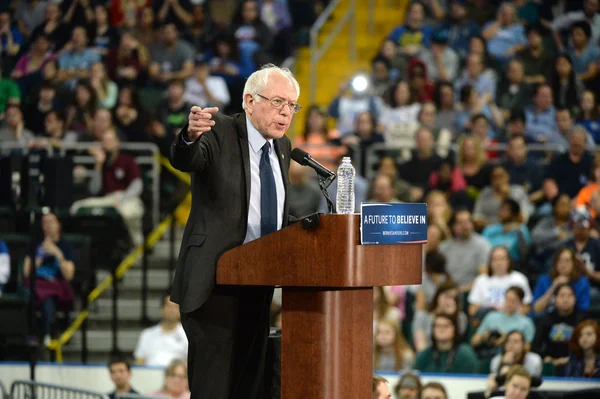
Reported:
(380, 388)
(75, 63)
(434, 390)
(120, 374)
(13, 128)
(540, 118)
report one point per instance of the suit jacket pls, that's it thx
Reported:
(220, 166)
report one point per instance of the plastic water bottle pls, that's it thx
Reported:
(345, 187)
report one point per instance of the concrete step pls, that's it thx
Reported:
(128, 309)
(158, 278)
(101, 341)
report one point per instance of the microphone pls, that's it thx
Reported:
(305, 159)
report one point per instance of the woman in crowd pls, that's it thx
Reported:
(254, 38)
(446, 301)
(473, 104)
(589, 115)
(104, 35)
(436, 234)
(127, 62)
(515, 351)
(391, 353)
(434, 275)
(566, 88)
(365, 135)
(584, 197)
(81, 113)
(442, 135)
(584, 360)
(400, 111)
(33, 62)
(382, 310)
(487, 206)
(128, 116)
(176, 381)
(447, 110)
(553, 330)
(565, 269)
(106, 90)
(446, 354)
(472, 163)
(448, 180)
(54, 269)
(552, 232)
(439, 210)
(317, 138)
(489, 290)
(53, 28)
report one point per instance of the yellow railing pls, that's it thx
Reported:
(156, 234)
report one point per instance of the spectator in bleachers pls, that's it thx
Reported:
(129, 117)
(13, 128)
(398, 63)
(126, 62)
(54, 133)
(488, 291)
(515, 351)
(436, 234)
(4, 265)
(276, 16)
(445, 301)
(564, 122)
(434, 273)
(459, 27)
(53, 27)
(413, 35)
(54, 269)
(11, 38)
(227, 63)
(75, 61)
(487, 206)
(304, 196)
(31, 63)
(49, 74)
(174, 12)
(516, 385)
(472, 163)
(106, 90)
(382, 310)
(434, 390)
(383, 189)
(104, 35)
(255, 40)
(564, 270)
(78, 12)
(81, 113)
(569, 171)
(584, 53)
(516, 125)
(449, 181)
(540, 117)
(380, 388)
(36, 112)
(513, 92)
(447, 110)
(553, 330)
(588, 115)
(483, 128)
(29, 14)
(553, 231)
(584, 359)
(161, 344)
(381, 75)
(521, 170)
(495, 326)
(446, 353)
(118, 180)
(467, 253)
(101, 123)
(202, 29)
(365, 135)
(566, 87)
(145, 28)
(408, 387)
(536, 60)
(473, 105)
(399, 116)
(392, 352)
(421, 87)
(442, 136)
(171, 114)
(176, 381)
(423, 161)
(439, 210)
(505, 36)
(585, 246)
(317, 138)
(205, 90)
(510, 230)
(589, 14)
(478, 76)
(172, 58)
(9, 93)
(441, 60)
(120, 375)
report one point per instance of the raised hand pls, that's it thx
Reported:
(199, 122)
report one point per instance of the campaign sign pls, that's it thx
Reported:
(393, 223)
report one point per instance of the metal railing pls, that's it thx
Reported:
(40, 390)
(317, 51)
(136, 396)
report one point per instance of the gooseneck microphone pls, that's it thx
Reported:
(305, 159)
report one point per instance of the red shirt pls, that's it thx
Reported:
(119, 174)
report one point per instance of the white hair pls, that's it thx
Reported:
(259, 79)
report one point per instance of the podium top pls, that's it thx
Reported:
(329, 255)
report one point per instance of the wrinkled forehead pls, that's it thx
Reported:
(280, 86)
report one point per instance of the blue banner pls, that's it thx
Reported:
(393, 223)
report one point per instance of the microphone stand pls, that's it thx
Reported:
(323, 184)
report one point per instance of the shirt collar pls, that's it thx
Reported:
(255, 138)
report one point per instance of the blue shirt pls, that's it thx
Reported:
(540, 124)
(403, 36)
(590, 254)
(505, 39)
(581, 288)
(77, 60)
(593, 127)
(496, 235)
(17, 38)
(486, 82)
(589, 55)
(50, 267)
(4, 264)
(460, 35)
(506, 323)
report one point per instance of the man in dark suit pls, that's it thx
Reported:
(239, 169)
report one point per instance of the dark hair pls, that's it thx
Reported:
(452, 220)
(435, 261)
(517, 114)
(442, 288)
(514, 206)
(436, 385)
(517, 137)
(574, 342)
(571, 98)
(232, 41)
(558, 197)
(391, 94)
(518, 291)
(521, 358)
(310, 110)
(47, 85)
(376, 381)
(238, 14)
(58, 114)
(119, 360)
(510, 263)
(177, 82)
(564, 109)
(379, 58)
(564, 285)
(534, 28)
(437, 96)
(93, 103)
(575, 273)
(465, 93)
(477, 117)
(584, 26)
(454, 321)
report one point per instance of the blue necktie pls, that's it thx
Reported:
(268, 194)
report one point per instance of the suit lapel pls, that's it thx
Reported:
(245, 151)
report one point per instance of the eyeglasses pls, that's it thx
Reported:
(277, 103)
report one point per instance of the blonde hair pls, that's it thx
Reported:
(401, 346)
(480, 153)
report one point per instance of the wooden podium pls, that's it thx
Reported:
(327, 320)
